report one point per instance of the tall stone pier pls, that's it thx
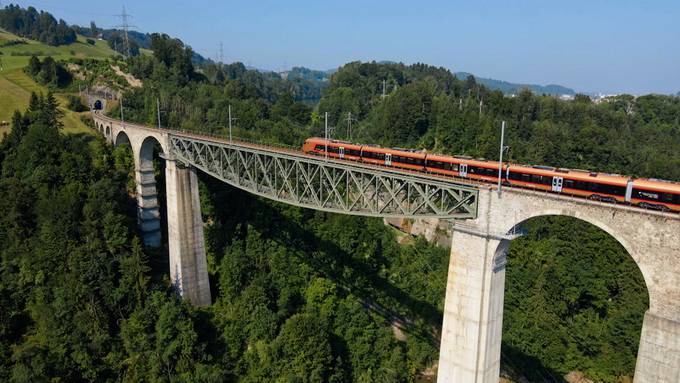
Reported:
(186, 248)
(470, 349)
(188, 265)
(148, 212)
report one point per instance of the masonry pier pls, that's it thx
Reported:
(188, 265)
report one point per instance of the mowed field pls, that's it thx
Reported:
(16, 86)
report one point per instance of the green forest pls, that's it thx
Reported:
(40, 26)
(299, 295)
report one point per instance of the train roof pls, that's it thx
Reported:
(656, 184)
(463, 160)
(580, 175)
(396, 152)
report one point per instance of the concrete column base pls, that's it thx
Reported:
(148, 214)
(658, 358)
(473, 310)
(188, 264)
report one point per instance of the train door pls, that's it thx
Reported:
(629, 190)
(557, 184)
(388, 159)
(462, 170)
(341, 152)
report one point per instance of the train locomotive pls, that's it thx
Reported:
(645, 193)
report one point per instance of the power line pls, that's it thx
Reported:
(349, 120)
(125, 25)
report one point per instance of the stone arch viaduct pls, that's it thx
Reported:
(483, 228)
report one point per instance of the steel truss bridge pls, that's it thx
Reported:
(331, 185)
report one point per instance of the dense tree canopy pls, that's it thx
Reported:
(41, 26)
(48, 72)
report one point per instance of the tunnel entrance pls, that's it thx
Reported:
(574, 303)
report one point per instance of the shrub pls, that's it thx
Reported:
(75, 103)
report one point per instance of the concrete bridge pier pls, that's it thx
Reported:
(473, 310)
(188, 265)
(148, 212)
(473, 307)
(659, 352)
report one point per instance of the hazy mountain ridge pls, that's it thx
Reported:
(509, 87)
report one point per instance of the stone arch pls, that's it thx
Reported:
(146, 147)
(121, 138)
(606, 227)
(108, 131)
(473, 309)
(149, 212)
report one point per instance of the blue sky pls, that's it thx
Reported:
(591, 46)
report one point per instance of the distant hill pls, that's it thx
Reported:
(307, 74)
(508, 87)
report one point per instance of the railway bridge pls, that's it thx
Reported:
(484, 223)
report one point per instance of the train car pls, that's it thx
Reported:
(598, 186)
(645, 193)
(365, 153)
(465, 167)
(393, 157)
(656, 194)
(336, 149)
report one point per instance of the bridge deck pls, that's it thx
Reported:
(464, 182)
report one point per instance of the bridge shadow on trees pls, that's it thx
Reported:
(333, 247)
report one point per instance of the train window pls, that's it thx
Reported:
(645, 195)
(569, 183)
(320, 147)
(667, 197)
(453, 167)
(418, 161)
(535, 179)
(438, 165)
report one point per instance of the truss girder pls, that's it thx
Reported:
(327, 185)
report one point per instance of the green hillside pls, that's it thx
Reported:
(16, 86)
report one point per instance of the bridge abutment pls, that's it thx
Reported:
(188, 264)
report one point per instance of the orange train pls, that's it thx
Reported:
(646, 193)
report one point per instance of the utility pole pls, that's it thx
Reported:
(326, 136)
(230, 120)
(349, 125)
(500, 161)
(125, 25)
(158, 111)
(480, 107)
(384, 90)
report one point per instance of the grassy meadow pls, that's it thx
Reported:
(16, 86)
